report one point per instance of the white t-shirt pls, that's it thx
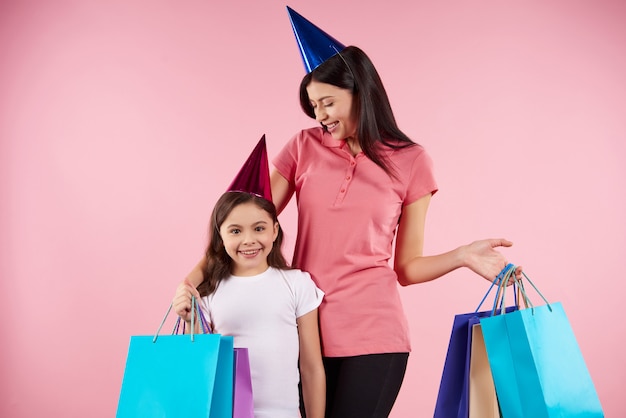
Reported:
(260, 312)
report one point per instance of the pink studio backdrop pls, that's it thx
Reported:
(122, 121)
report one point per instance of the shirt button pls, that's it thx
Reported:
(348, 177)
(343, 190)
(352, 163)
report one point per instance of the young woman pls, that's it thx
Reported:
(360, 180)
(249, 292)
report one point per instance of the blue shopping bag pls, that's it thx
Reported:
(178, 375)
(537, 365)
(453, 396)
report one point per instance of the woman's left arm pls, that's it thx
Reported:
(413, 267)
(312, 372)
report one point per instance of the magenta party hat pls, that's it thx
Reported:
(254, 176)
(316, 46)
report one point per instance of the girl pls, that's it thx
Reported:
(251, 294)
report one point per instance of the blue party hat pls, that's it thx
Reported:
(316, 46)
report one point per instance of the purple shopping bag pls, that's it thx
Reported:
(243, 401)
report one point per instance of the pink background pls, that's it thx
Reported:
(122, 121)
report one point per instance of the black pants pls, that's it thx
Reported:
(363, 386)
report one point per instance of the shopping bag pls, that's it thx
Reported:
(537, 365)
(453, 396)
(178, 375)
(483, 402)
(243, 400)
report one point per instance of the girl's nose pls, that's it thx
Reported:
(248, 238)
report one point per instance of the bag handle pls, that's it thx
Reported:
(195, 307)
(206, 329)
(500, 278)
(527, 299)
(508, 274)
(499, 302)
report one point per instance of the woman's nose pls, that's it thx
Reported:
(320, 115)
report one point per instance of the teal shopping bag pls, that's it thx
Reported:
(178, 376)
(537, 365)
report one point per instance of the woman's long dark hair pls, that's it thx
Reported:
(352, 70)
(219, 263)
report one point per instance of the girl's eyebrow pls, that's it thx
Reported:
(239, 226)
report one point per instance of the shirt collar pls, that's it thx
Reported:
(330, 142)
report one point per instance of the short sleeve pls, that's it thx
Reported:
(308, 296)
(421, 180)
(287, 159)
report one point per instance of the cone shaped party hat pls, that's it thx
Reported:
(316, 46)
(254, 176)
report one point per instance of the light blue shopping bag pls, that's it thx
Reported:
(537, 365)
(178, 376)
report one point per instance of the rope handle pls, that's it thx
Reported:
(502, 280)
(498, 280)
(195, 309)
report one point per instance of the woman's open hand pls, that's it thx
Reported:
(483, 259)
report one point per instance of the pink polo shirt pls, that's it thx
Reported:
(348, 211)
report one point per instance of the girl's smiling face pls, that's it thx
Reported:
(333, 109)
(248, 233)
